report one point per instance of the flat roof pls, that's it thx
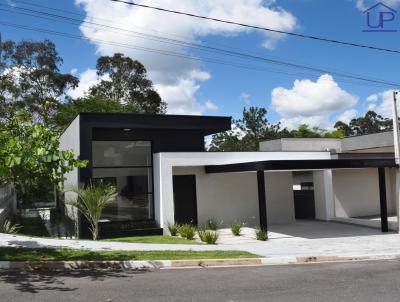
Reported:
(206, 124)
(303, 164)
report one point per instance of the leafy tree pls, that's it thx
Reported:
(30, 159)
(91, 201)
(304, 131)
(370, 123)
(126, 80)
(247, 132)
(70, 109)
(30, 79)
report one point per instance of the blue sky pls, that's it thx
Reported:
(193, 87)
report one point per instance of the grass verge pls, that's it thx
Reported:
(154, 239)
(22, 254)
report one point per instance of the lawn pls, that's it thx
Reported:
(22, 254)
(154, 239)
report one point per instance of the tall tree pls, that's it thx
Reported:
(72, 107)
(126, 80)
(30, 79)
(370, 123)
(247, 132)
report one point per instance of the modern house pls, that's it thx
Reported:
(163, 175)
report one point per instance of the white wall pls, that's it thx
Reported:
(280, 182)
(230, 196)
(70, 140)
(301, 144)
(356, 192)
(323, 195)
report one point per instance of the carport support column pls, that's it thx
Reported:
(262, 203)
(382, 197)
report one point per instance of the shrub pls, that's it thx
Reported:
(187, 231)
(91, 202)
(236, 227)
(210, 237)
(173, 228)
(212, 224)
(10, 228)
(261, 234)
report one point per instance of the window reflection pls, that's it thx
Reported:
(127, 166)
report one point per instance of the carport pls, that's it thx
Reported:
(344, 161)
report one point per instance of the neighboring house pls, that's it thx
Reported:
(163, 175)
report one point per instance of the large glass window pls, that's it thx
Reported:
(128, 166)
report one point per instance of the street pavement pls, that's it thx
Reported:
(353, 281)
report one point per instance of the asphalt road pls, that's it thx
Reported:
(357, 281)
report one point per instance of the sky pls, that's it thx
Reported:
(205, 82)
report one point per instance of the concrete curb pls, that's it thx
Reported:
(174, 264)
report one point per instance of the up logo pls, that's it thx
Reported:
(380, 18)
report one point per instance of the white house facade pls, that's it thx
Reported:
(163, 175)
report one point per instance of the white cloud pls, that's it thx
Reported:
(347, 115)
(181, 96)
(310, 102)
(371, 107)
(210, 106)
(383, 103)
(372, 98)
(170, 73)
(245, 97)
(87, 79)
(365, 4)
(74, 71)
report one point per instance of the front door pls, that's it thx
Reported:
(304, 203)
(185, 199)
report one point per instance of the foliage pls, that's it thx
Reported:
(247, 132)
(304, 131)
(187, 231)
(207, 236)
(125, 80)
(254, 127)
(261, 234)
(173, 228)
(22, 254)
(91, 202)
(236, 227)
(30, 79)
(71, 108)
(370, 123)
(10, 228)
(33, 227)
(30, 159)
(212, 224)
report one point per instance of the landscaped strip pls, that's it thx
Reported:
(154, 239)
(23, 254)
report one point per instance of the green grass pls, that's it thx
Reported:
(154, 239)
(32, 227)
(22, 254)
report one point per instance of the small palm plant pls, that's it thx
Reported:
(91, 201)
(10, 228)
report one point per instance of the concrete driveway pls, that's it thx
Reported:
(317, 238)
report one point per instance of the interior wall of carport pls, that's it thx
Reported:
(230, 196)
(356, 192)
